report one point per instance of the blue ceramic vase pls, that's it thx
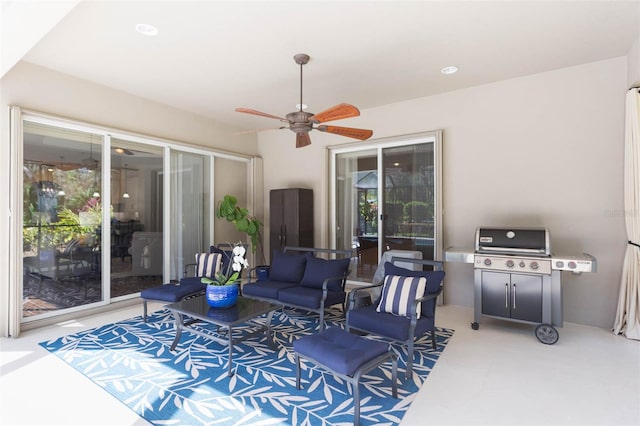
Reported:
(222, 296)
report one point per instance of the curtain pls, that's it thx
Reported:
(628, 314)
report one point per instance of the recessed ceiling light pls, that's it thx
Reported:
(146, 29)
(304, 106)
(448, 70)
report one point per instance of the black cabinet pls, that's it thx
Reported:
(516, 296)
(291, 218)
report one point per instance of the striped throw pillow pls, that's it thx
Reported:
(399, 292)
(208, 264)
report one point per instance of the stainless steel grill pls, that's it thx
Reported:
(517, 278)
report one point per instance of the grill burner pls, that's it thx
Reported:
(517, 278)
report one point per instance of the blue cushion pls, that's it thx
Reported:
(190, 280)
(227, 255)
(398, 293)
(434, 278)
(265, 289)
(208, 264)
(287, 267)
(317, 270)
(339, 350)
(308, 297)
(172, 292)
(387, 325)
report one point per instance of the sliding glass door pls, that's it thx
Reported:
(409, 199)
(61, 219)
(356, 211)
(191, 210)
(103, 214)
(387, 197)
(136, 234)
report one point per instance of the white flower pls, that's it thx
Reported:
(239, 251)
(237, 267)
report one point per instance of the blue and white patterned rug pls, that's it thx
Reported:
(131, 360)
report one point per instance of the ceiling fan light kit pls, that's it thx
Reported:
(302, 122)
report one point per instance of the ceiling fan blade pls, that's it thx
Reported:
(302, 140)
(261, 114)
(361, 134)
(337, 112)
(247, 132)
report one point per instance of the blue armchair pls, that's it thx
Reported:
(395, 319)
(207, 265)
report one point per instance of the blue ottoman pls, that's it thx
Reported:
(170, 293)
(347, 356)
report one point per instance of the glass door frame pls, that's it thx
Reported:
(13, 316)
(434, 137)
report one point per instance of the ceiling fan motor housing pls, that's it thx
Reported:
(299, 121)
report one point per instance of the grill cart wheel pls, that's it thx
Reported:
(547, 334)
(475, 325)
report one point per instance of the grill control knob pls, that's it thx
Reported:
(572, 265)
(522, 264)
(534, 265)
(510, 263)
(559, 264)
(487, 262)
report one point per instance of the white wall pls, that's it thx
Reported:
(543, 150)
(633, 64)
(37, 88)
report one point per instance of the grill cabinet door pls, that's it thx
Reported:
(516, 296)
(495, 294)
(526, 297)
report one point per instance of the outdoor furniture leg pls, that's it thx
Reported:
(298, 371)
(230, 372)
(270, 341)
(179, 325)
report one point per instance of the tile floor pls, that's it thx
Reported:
(498, 375)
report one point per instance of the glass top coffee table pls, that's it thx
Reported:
(198, 310)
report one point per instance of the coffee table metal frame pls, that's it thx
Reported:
(197, 309)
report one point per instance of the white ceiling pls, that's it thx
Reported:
(213, 56)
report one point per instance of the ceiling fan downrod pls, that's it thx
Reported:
(301, 59)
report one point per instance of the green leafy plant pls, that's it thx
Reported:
(228, 209)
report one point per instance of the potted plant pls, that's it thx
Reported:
(222, 291)
(244, 222)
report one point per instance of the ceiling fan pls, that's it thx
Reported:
(302, 122)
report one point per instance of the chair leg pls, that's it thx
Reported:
(409, 371)
(298, 372)
(144, 310)
(434, 344)
(394, 375)
(356, 403)
(321, 328)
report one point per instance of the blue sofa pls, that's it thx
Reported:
(298, 278)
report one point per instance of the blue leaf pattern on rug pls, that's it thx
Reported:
(131, 360)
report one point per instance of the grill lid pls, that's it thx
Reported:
(533, 241)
